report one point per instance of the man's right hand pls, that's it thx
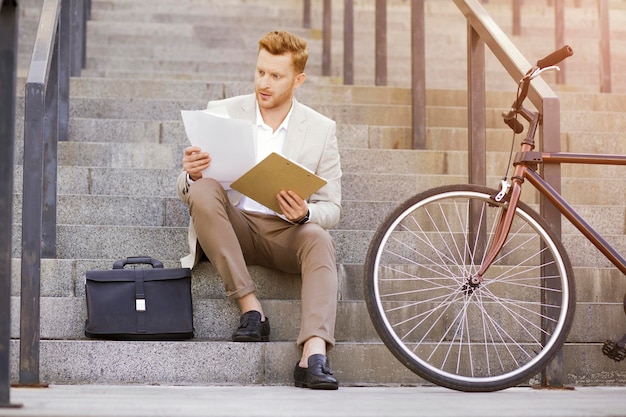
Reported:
(195, 161)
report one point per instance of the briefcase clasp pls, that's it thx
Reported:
(140, 304)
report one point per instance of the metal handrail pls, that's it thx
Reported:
(46, 121)
(9, 17)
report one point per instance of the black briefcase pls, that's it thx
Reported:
(139, 303)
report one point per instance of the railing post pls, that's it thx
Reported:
(476, 131)
(56, 123)
(381, 43)
(517, 17)
(31, 233)
(605, 47)
(476, 105)
(77, 10)
(348, 42)
(306, 14)
(559, 24)
(326, 38)
(66, 40)
(40, 107)
(552, 375)
(9, 13)
(50, 150)
(418, 74)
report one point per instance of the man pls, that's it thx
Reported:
(234, 231)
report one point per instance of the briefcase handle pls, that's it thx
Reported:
(137, 260)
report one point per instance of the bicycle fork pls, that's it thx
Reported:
(511, 193)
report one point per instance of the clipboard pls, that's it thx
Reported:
(273, 174)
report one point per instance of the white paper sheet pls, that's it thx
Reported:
(230, 142)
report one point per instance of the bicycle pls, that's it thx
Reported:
(468, 286)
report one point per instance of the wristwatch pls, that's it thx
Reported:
(305, 218)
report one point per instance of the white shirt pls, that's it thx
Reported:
(267, 141)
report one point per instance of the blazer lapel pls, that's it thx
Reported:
(244, 109)
(296, 131)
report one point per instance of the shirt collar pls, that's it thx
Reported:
(283, 125)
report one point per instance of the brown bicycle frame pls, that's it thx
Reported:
(525, 163)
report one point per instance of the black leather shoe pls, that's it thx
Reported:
(252, 329)
(317, 376)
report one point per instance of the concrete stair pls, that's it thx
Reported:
(149, 60)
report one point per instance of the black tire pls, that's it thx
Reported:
(467, 338)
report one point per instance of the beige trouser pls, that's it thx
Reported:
(232, 238)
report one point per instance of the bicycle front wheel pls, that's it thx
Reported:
(447, 330)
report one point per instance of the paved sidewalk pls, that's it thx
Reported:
(139, 401)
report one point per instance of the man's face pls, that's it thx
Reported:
(275, 80)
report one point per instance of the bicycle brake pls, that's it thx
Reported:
(504, 189)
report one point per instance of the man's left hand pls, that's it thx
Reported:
(292, 205)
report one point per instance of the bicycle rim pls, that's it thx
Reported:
(484, 338)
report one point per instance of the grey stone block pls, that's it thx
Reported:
(599, 285)
(63, 318)
(120, 155)
(115, 130)
(113, 210)
(597, 322)
(95, 242)
(152, 363)
(138, 109)
(220, 363)
(57, 277)
(159, 89)
(204, 363)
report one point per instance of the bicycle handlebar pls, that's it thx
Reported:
(555, 57)
(548, 61)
